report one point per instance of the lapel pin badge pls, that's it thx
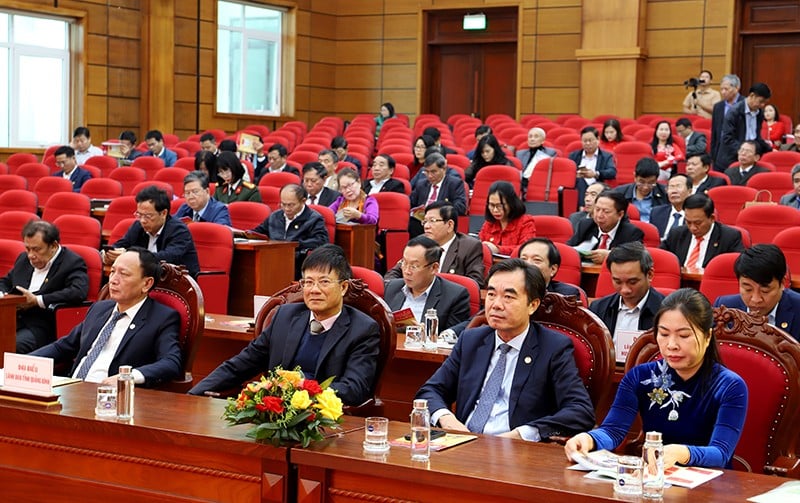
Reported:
(528, 360)
(784, 325)
(133, 326)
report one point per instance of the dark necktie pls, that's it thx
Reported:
(316, 327)
(102, 339)
(490, 393)
(312, 199)
(676, 218)
(196, 217)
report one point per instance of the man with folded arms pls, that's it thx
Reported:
(130, 329)
(322, 335)
(513, 378)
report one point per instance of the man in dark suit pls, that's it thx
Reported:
(155, 148)
(697, 169)
(45, 274)
(635, 303)
(295, 222)
(65, 159)
(748, 156)
(130, 329)
(761, 270)
(322, 336)
(795, 146)
(421, 289)
(729, 91)
(314, 175)
(157, 231)
(669, 216)
(382, 172)
(609, 227)
(436, 187)
(514, 377)
(594, 164)
(645, 193)
(544, 255)
(695, 142)
(701, 233)
(461, 254)
(793, 198)
(276, 159)
(743, 122)
(199, 205)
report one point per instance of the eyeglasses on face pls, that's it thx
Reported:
(322, 283)
(414, 267)
(144, 216)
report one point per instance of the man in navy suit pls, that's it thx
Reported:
(323, 336)
(701, 230)
(130, 329)
(533, 390)
(544, 255)
(45, 274)
(436, 187)
(199, 205)
(729, 91)
(65, 159)
(761, 270)
(608, 227)
(668, 216)
(155, 148)
(594, 164)
(421, 289)
(156, 230)
(314, 175)
(695, 142)
(748, 155)
(743, 122)
(697, 169)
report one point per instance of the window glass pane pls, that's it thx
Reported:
(4, 102)
(3, 27)
(40, 32)
(229, 71)
(261, 79)
(229, 14)
(42, 106)
(267, 20)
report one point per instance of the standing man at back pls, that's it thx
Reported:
(743, 123)
(729, 90)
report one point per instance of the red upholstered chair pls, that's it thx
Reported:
(392, 225)
(166, 187)
(106, 164)
(303, 156)
(765, 221)
(783, 161)
(102, 188)
(16, 160)
(120, 229)
(667, 273)
(651, 237)
(371, 278)
(484, 179)
(129, 177)
(18, 200)
(175, 204)
(49, 185)
(330, 220)
(570, 269)
(67, 316)
(278, 179)
(471, 286)
(12, 182)
(776, 183)
(149, 164)
(9, 251)
(12, 222)
(33, 171)
(768, 359)
(788, 240)
(626, 155)
(247, 215)
(271, 196)
(563, 175)
(214, 244)
(186, 163)
(79, 230)
(66, 203)
(719, 278)
(177, 289)
(729, 201)
(120, 208)
(746, 240)
(173, 176)
(558, 229)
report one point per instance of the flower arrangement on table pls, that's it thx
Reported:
(286, 407)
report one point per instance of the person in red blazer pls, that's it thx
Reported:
(506, 226)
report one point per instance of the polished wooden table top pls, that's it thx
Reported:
(491, 467)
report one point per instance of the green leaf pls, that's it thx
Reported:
(327, 382)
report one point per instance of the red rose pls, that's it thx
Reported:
(312, 387)
(270, 404)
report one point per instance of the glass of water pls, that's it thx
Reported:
(376, 434)
(414, 336)
(629, 475)
(106, 401)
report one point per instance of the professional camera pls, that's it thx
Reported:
(693, 82)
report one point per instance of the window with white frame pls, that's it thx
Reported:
(34, 94)
(249, 58)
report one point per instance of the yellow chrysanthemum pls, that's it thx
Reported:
(301, 400)
(329, 404)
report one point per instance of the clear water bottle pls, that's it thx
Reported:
(431, 330)
(653, 466)
(125, 389)
(420, 431)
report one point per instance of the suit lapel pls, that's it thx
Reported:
(332, 338)
(135, 325)
(476, 373)
(92, 330)
(433, 296)
(53, 270)
(527, 361)
(784, 316)
(712, 250)
(294, 336)
(450, 257)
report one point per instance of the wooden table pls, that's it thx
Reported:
(177, 449)
(486, 469)
(259, 268)
(358, 242)
(8, 323)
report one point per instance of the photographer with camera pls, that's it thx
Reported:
(700, 101)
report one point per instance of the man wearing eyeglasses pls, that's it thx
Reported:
(199, 205)
(645, 193)
(322, 335)
(157, 231)
(421, 289)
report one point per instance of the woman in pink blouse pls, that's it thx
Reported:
(506, 226)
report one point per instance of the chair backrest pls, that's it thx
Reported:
(129, 177)
(782, 160)
(358, 296)
(651, 236)
(768, 359)
(788, 240)
(94, 266)
(626, 155)
(278, 179)
(186, 163)
(9, 251)
(563, 175)
(729, 201)
(16, 160)
(395, 208)
(105, 163)
(178, 290)
(173, 176)
(18, 200)
(120, 208)
(248, 215)
(149, 164)
(119, 229)
(49, 185)
(214, 244)
(371, 278)
(271, 196)
(79, 230)
(558, 229)
(33, 172)
(330, 220)
(66, 203)
(719, 278)
(12, 222)
(101, 188)
(764, 222)
(12, 182)
(484, 179)
(776, 183)
(166, 187)
(472, 287)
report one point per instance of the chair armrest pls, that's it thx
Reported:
(785, 467)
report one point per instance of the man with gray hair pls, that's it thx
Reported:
(729, 90)
(199, 205)
(793, 199)
(536, 152)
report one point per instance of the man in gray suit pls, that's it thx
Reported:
(793, 198)
(421, 289)
(695, 142)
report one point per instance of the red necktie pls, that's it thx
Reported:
(434, 194)
(603, 242)
(694, 257)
